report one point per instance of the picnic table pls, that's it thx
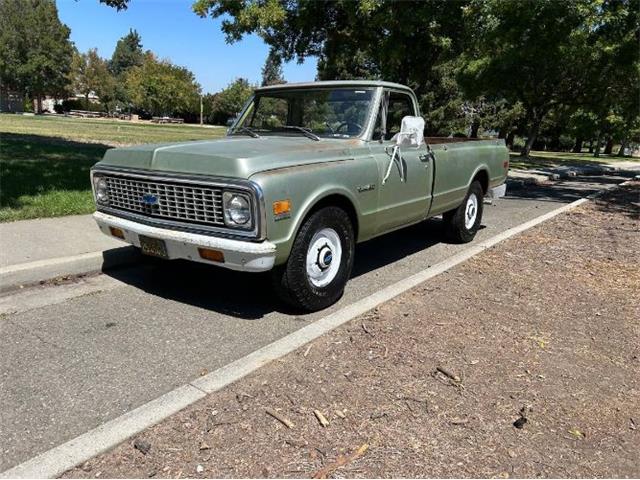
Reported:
(167, 120)
(86, 114)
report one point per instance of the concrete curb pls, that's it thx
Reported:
(14, 276)
(56, 461)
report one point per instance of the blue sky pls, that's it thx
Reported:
(171, 30)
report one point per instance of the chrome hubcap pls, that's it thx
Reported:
(323, 257)
(471, 211)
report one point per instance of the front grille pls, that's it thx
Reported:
(182, 202)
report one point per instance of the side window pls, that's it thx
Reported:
(400, 105)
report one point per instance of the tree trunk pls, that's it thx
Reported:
(86, 101)
(608, 149)
(623, 145)
(591, 145)
(509, 140)
(475, 126)
(596, 150)
(531, 138)
(577, 147)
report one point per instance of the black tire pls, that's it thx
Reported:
(454, 220)
(291, 282)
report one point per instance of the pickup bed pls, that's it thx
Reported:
(305, 172)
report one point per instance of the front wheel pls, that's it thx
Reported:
(462, 223)
(320, 262)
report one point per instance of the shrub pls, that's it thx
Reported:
(77, 104)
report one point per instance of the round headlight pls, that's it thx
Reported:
(101, 191)
(238, 209)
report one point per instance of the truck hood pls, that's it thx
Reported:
(237, 157)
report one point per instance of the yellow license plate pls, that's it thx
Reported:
(153, 246)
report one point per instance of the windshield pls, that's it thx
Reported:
(327, 112)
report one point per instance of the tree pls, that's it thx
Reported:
(117, 4)
(229, 102)
(35, 51)
(372, 39)
(523, 51)
(552, 56)
(505, 65)
(90, 74)
(614, 73)
(161, 88)
(272, 70)
(128, 53)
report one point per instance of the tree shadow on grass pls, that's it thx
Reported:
(33, 164)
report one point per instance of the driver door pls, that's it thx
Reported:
(401, 201)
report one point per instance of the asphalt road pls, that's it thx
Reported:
(77, 355)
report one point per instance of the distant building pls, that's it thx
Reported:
(93, 98)
(49, 103)
(11, 102)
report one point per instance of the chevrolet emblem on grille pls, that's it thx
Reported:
(149, 200)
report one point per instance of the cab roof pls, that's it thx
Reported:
(335, 83)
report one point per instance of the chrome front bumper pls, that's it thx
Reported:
(238, 254)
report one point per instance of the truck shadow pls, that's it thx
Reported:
(249, 295)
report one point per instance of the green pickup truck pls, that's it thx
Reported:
(305, 172)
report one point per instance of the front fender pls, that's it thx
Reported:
(308, 185)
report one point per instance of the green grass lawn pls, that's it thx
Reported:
(107, 132)
(45, 161)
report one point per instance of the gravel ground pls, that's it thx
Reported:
(522, 362)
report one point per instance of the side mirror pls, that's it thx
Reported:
(411, 132)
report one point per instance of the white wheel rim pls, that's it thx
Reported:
(323, 257)
(471, 211)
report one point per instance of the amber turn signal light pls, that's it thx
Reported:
(282, 207)
(117, 232)
(211, 255)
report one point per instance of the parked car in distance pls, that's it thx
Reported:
(305, 173)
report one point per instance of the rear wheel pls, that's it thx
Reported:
(462, 223)
(320, 262)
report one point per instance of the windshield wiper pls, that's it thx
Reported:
(248, 131)
(305, 131)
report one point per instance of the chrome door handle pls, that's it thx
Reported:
(424, 157)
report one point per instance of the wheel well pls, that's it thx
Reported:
(483, 178)
(337, 200)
